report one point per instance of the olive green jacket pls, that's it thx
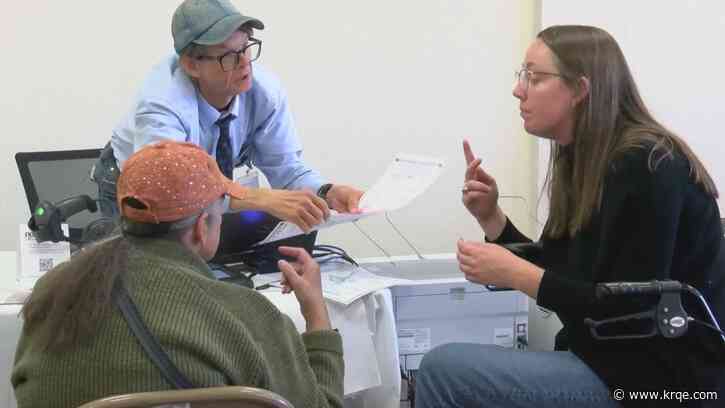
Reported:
(215, 333)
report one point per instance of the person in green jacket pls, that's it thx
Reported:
(76, 346)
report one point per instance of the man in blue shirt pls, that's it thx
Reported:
(209, 93)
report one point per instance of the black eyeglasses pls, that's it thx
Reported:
(524, 75)
(231, 59)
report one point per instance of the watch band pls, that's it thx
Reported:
(324, 189)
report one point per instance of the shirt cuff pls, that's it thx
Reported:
(323, 340)
(510, 234)
(559, 294)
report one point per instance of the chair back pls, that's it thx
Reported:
(214, 397)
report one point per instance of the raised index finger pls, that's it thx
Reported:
(467, 152)
(471, 169)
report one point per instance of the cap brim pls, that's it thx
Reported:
(219, 32)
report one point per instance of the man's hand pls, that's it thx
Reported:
(302, 208)
(344, 198)
(302, 277)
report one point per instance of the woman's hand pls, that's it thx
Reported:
(493, 264)
(480, 192)
(480, 195)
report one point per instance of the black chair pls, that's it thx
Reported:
(51, 178)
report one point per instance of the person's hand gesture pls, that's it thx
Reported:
(302, 276)
(485, 263)
(480, 192)
(493, 264)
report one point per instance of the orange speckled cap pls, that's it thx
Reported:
(173, 180)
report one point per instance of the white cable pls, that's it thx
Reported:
(532, 216)
(420, 257)
(374, 242)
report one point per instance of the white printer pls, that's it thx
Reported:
(439, 306)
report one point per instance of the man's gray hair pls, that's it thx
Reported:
(174, 228)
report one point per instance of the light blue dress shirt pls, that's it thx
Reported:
(169, 106)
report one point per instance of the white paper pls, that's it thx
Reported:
(344, 283)
(406, 178)
(287, 229)
(38, 258)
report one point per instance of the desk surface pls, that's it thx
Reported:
(8, 274)
(10, 291)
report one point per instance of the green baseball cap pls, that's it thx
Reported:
(207, 22)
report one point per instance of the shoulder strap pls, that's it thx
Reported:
(150, 345)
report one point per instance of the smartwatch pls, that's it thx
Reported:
(324, 189)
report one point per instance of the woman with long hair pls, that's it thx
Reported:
(629, 201)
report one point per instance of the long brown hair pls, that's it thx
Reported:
(610, 120)
(76, 295)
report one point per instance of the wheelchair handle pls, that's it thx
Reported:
(604, 290)
(668, 306)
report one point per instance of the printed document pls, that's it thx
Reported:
(406, 178)
(342, 282)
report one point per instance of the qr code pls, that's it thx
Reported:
(45, 264)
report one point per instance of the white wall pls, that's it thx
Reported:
(365, 79)
(674, 49)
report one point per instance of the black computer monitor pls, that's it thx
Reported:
(56, 175)
(242, 231)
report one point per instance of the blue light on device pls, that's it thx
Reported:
(251, 217)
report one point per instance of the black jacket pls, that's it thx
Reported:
(652, 224)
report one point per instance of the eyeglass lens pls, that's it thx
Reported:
(522, 77)
(231, 60)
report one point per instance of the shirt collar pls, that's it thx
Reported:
(208, 115)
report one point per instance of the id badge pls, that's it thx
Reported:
(246, 177)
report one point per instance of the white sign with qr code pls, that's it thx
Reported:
(37, 258)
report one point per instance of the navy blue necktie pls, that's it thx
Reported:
(224, 155)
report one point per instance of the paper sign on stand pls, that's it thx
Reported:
(37, 258)
(406, 178)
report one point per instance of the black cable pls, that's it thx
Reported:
(325, 258)
(522, 340)
(333, 252)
